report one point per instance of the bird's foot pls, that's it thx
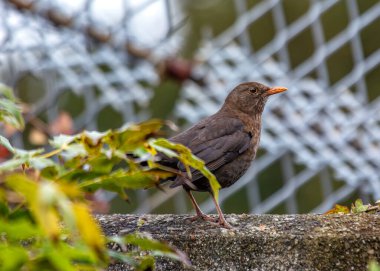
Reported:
(204, 217)
(216, 221)
(225, 225)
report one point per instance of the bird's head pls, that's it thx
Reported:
(251, 97)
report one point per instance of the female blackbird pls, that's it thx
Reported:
(226, 141)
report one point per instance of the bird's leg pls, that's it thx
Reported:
(222, 221)
(199, 212)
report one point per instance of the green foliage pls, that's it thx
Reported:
(356, 208)
(45, 221)
(373, 266)
(145, 243)
(359, 207)
(10, 111)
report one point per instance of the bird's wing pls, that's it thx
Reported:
(216, 142)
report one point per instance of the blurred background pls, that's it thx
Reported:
(98, 64)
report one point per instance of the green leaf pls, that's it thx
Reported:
(58, 261)
(5, 142)
(73, 153)
(359, 207)
(17, 230)
(132, 136)
(78, 252)
(20, 213)
(157, 248)
(93, 137)
(61, 140)
(10, 112)
(12, 257)
(4, 210)
(122, 257)
(146, 263)
(127, 180)
(25, 157)
(23, 185)
(103, 164)
(139, 263)
(187, 158)
(12, 164)
(7, 92)
(40, 163)
(373, 266)
(91, 141)
(50, 172)
(28, 153)
(146, 243)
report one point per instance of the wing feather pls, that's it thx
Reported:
(216, 143)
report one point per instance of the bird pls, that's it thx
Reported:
(226, 141)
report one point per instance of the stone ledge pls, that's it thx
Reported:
(261, 242)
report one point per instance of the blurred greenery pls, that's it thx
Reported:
(373, 266)
(10, 111)
(162, 108)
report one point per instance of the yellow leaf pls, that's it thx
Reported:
(44, 209)
(49, 222)
(40, 198)
(71, 190)
(88, 228)
(338, 209)
(22, 185)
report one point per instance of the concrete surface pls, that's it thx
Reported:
(260, 242)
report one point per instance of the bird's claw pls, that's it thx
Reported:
(217, 221)
(223, 223)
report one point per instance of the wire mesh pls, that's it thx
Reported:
(321, 138)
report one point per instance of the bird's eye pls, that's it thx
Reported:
(253, 90)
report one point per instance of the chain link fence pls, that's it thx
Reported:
(103, 62)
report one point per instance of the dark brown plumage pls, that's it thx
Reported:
(226, 141)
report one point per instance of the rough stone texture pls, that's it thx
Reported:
(261, 242)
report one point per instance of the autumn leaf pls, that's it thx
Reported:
(89, 229)
(338, 209)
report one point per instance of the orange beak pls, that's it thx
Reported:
(276, 90)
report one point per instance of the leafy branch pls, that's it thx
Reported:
(45, 220)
